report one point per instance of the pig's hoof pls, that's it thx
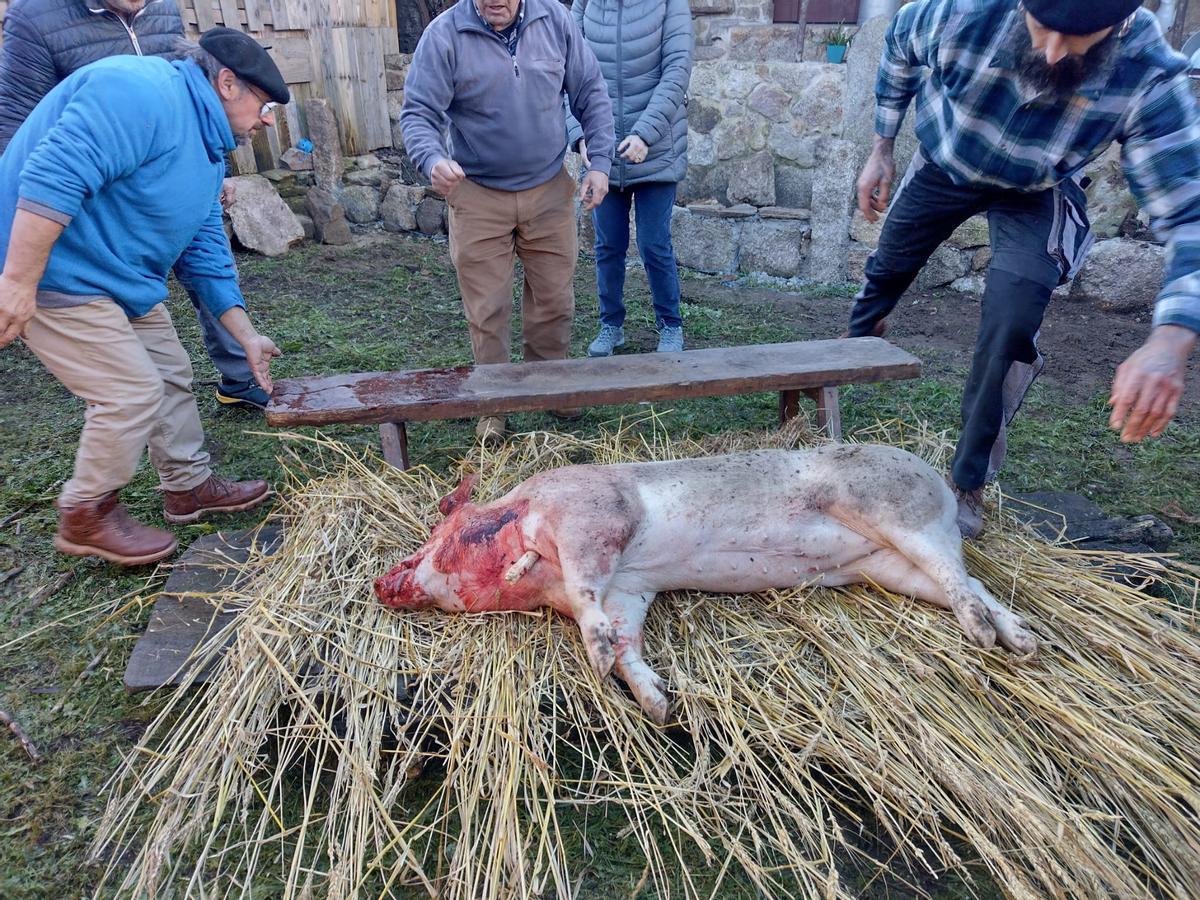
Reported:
(1014, 635)
(600, 651)
(976, 622)
(657, 709)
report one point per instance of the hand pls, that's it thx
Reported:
(260, 350)
(1148, 385)
(593, 189)
(633, 148)
(228, 193)
(18, 302)
(875, 183)
(445, 175)
(583, 154)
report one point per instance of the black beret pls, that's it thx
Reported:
(1080, 16)
(247, 59)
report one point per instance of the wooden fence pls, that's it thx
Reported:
(324, 48)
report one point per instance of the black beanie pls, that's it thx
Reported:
(1080, 16)
(247, 59)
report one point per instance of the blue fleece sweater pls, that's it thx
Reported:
(127, 153)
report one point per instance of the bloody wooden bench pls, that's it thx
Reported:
(393, 399)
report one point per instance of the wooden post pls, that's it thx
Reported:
(829, 415)
(395, 444)
(789, 405)
(803, 24)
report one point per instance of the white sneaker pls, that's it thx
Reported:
(609, 339)
(670, 339)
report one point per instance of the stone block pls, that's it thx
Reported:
(775, 247)
(832, 193)
(945, 265)
(705, 243)
(752, 180)
(711, 7)
(431, 216)
(703, 183)
(1121, 275)
(793, 185)
(399, 207)
(770, 100)
(969, 284)
(702, 117)
(702, 149)
(361, 203)
(788, 141)
(740, 211)
(866, 233)
(328, 163)
(369, 177)
(307, 224)
(785, 212)
(820, 104)
(328, 217)
(856, 262)
(757, 43)
(1110, 203)
(261, 220)
(738, 135)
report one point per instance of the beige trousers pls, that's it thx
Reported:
(136, 379)
(486, 228)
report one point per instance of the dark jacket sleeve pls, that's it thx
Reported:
(27, 74)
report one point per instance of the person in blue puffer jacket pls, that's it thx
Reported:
(645, 53)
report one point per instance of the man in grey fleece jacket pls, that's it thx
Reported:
(493, 73)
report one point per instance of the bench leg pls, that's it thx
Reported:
(789, 405)
(829, 415)
(395, 444)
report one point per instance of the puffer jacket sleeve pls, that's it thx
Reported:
(655, 121)
(574, 129)
(27, 73)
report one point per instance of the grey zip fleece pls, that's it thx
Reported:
(507, 126)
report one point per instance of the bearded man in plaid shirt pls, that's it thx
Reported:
(1013, 101)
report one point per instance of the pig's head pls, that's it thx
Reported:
(462, 565)
(415, 582)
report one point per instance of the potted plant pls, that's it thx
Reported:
(836, 41)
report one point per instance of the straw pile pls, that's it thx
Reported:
(821, 735)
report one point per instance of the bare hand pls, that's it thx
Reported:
(593, 189)
(445, 175)
(260, 350)
(875, 183)
(18, 303)
(1148, 385)
(228, 193)
(633, 148)
(584, 154)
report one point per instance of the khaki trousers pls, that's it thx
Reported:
(486, 228)
(136, 379)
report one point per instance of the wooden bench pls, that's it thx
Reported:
(392, 399)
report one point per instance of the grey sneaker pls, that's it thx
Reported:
(609, 339)
(670, 339)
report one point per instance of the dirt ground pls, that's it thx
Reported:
(1082, 343)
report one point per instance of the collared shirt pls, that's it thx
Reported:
(510, 34)
(977, 121)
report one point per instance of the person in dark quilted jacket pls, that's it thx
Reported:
(47, 40)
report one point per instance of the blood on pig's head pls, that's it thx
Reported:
(400, 588)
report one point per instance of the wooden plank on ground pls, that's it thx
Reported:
(428, 394)
(184, 617)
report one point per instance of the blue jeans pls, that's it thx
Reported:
(224, 351)
(652, 204)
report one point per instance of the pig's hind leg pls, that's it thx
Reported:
(627, 612)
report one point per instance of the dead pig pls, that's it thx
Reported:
(597, 543)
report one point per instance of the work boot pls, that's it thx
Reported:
(878, 330)
(670, 339)
(609, 339)
(246, 394)
(217, 495)
(970, 511)
(490, 430)
(104, 528)
(567, 414)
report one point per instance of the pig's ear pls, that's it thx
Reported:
(459, 495)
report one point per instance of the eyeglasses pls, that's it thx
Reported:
(268, 107)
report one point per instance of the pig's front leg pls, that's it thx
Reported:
(627, 612)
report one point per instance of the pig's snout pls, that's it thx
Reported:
(399, 588)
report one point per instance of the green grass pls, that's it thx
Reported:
(394, 303)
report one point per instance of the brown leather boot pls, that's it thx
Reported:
(104, 528)
(879, 329)
(217, 495)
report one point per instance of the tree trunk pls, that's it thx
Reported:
(803, 26)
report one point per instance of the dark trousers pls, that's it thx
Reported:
(1038, 239)
(652, 203)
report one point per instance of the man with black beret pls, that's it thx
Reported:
(1013, 101)
(112, 179)
(47, 40)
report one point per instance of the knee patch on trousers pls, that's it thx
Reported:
(1013, 308)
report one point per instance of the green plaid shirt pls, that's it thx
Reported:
(977, 121)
